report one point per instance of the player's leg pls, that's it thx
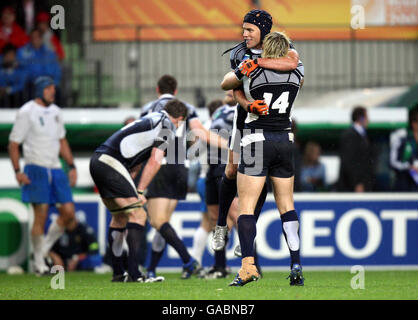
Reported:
(227, 193)
(160, 210)
(249, 189)
(135, 229)
(200, 237)
(283, 193)
(120, 209)
(37, 236)
(157, 249)
(65, 220)
(60, 195)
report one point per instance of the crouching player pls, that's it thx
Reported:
(114, 165)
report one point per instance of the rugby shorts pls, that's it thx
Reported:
(267, 154)
(47, 185)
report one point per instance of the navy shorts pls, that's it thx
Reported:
(47, 186)
(112, 179)
(267, 154)
(169, 182)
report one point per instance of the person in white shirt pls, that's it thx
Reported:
(39, 127)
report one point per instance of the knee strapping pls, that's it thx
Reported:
(128, 208)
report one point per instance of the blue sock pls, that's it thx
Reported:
(260, 202)
(170, 236)
(227, 193)
(134, 239)
(290, 228)
(247, 231)
(155, 259)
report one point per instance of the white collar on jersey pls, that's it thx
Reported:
(166, 95)
(256, 51)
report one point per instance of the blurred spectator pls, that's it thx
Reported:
(312, 173)
(77, 248)
(356, 156)
(50, 39)
(404, 154)
(26, 11)
(10, 31)
(12, 79)
(38, 59)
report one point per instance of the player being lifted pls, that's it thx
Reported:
(113, 166)
(269, 139)
(170, 184)
(256, 25)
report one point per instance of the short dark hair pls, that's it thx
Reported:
(358, 113)
(167, 84)
(412, 115)
(7, 48)
(213, 105)
(176, 108)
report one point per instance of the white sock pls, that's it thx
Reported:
(54, 233)
(37, 245)
(199, 243)
(158, 242)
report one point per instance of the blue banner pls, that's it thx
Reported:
(335, 230)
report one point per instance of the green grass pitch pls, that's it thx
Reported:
(323, 285)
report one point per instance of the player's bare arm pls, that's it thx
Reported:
(150, 170)
(14, 154)
(257, 107)
(287, 63)
(208, 136)
(230, 81)
(67, 155)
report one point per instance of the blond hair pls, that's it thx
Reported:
(275, 45)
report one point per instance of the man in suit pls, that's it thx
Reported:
(356, 170)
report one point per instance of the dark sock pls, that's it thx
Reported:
(155, 259)
(170, 236)
(115, 241)
(220, 256)
(247, 232)
(260, 202)
(290, 228)
(227, 193)
(134, 239)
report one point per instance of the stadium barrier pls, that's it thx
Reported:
(337, 230)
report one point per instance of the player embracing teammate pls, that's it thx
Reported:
(266, 79)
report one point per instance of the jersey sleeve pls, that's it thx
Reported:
(165, 136)
(20, 127)
(61, 128)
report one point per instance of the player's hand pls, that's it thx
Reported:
(258, 107)
(72, 177)
(247, 67)
(142, 198)
(22, 178)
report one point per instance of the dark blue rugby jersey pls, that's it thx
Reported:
(279, 90)
(180, 143)
(222, 122)
(133, 144)
(240, 53)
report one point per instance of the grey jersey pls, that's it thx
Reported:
(279, 91)
(178, 155)
(133, 144)
(222, 122)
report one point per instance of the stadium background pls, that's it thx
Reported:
(116, 51)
